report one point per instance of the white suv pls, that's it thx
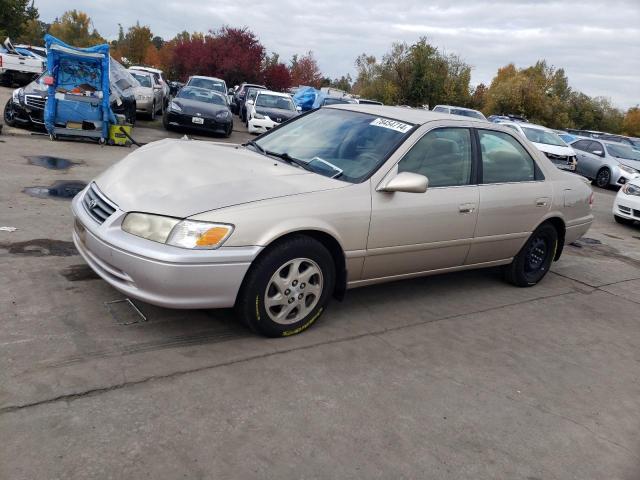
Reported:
(268, 110)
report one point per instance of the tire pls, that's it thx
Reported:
(229, 131)
(152, 115)
(603, 178)
(534, 259)
(165, 123)
(622, 220)
(287, 288)
(9, 114)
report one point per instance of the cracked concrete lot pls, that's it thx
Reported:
(460, 376)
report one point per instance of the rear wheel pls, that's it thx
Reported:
(10, 113)
(152, 115)
(534, 259)
(287, 288)
(603, 178)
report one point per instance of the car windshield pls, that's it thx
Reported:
(144, 80)
(208, 83)
(542, 136)
(334, 101)
(622, 151)
(201, 95)
(274, 101)
(336, 143)
(467, 113)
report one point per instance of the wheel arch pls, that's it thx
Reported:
(561, 228)
(330, 243)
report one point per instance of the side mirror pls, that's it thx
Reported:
(406, 182)
(230, 91)
(249, 102)
(597, 152)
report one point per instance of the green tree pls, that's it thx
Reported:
(13, 16)
(76, 28)
(136, 43)
(631, 122)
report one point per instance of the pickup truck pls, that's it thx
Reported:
(16, 67)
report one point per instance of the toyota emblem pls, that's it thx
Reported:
(93, 203)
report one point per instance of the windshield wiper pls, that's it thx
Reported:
(255, 145)
(291, 160)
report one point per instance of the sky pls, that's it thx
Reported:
(596, 42)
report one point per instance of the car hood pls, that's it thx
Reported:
(275, 113)
(555, 149)
(194, 107)
(630, 163)
(181, 178)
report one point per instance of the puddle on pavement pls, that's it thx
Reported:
(63, 189)
(41, 247)
(78, 273)
(52, 163)
(586, 241)
(590, 247)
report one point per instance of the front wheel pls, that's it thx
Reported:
(10, 114)
(534, 260)
(603, 178)
(287, 288)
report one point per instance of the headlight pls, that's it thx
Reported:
(259, 116)
(624, 168)
(18, 95)
(222, 115)
(176, 232)
(151, 227)
(175, 107)
(631, 189)
(199, 235)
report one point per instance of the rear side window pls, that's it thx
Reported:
(595, 147)
(581, 145)
(443, 156)
(505, 160)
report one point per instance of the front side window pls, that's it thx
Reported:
(504, 159)
(443, 156)
(346, 145)
(596, 147)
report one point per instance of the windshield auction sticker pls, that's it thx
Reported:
(391, 125)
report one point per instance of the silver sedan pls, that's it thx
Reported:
(342, 197)
(606, 163)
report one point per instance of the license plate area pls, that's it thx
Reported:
(197, 120)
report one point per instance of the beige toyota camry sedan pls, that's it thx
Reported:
(340, 197)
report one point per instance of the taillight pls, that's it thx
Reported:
(591, 200)
(0, 61)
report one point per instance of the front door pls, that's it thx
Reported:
(419, 232)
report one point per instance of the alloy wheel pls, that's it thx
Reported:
(293, 291)
(603, 178)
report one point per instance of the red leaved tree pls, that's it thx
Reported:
(305, 71)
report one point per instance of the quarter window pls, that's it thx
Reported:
(443, 156)
(504, 159)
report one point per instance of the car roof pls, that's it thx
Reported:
(141, 72)
(207, 78)
(145, 69)
(416, 116)
(277, 94)
(456, 107)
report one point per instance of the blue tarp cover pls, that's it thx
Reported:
(308, 98)
(84, 69)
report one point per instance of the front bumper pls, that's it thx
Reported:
(144, 106)
(182, 120)
(26, 114)
(627, 206)
(156, 273)
(261, 125)
(619, 177)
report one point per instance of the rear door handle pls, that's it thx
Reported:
(466, 208)
(542, 202)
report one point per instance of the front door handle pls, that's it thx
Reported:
(466, 208)
(542, 202)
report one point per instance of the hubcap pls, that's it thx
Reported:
(293, 291)
(536, 255)
(9, 113)
(603, 178)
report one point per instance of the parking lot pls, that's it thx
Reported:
(454, 376)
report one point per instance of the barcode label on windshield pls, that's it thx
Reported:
(391, 125)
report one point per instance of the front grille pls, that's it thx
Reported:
(35, 101)
(97, 205)
(624, 209)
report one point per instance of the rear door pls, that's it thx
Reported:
(514, 197)
(591, 158)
